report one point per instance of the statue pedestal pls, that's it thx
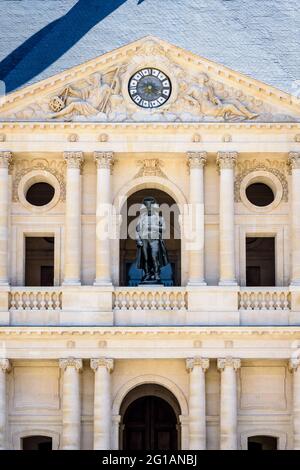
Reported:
(150, 283)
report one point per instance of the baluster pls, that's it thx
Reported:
(123, 301)
(13, 300)
(19, 301)
(256, 300)
(27, 300)
(160, 301)
(286, 301)
(131, 301)
(50, 301)
(43, 301)
(175, 302)
(146, 302)
(277, 301)
(248, 301)
(168, 301)
(139, 301)
(263, 301)
(271, 301)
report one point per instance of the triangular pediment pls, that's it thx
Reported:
(195, 90)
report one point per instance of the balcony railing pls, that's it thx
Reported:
(36, 298)
(264, 298)
(154, 299)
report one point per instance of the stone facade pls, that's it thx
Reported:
(227, 352)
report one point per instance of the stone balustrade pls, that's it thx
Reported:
(154, 299)
(268, 298)
(35, 298)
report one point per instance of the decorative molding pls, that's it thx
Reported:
(196, 159)
(73, 138)
(226, 160)
(294, 160)
(150, 167)
(278, 168)
(103, 138)
(2, 137)
(104, 160)
(294, 363)
(6, 159)
(70, 362)
(74, 159)
(102, 362)
(193, 362)
(23, 167)
(5, 365)
(228, 362)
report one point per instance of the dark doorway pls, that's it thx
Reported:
(260, 261)
(39, 261)
(150, 422)
(36, 443)
(170, 274)
(262, 443)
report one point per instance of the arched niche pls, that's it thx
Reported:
(149, 183)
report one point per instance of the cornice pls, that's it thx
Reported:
(150, 331)
(39, 125)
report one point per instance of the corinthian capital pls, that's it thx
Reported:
(70, 362)
(294, 160)
(294, 364)
(196, 159)
(4, 365)
(103, 362)
(229, 362)
(104, 160)
(74, 159)
(193, 362)
(226, 160)
(6, 158)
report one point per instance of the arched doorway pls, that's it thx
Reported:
(171, 274)
(36, 443)
(150, 419)
(262, 443)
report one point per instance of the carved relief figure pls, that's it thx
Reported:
(202, 94)
(94, 99)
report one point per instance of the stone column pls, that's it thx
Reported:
(295, 369)
(4, 368)
(226, 163)
(104, 162)
(294, 161)
(197, 404)
(71, 404)
(5, 161)
(72, 251)
(102, 403)
(196, 162)
(228, 403)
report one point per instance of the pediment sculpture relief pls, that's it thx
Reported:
(150, 85)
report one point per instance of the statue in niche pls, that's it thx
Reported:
(152, 253)
(95, 99)
(202, 94)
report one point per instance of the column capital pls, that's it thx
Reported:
(196, 159)
(70, 362)
(193, 362)
(294, 160)
(74, 159)
(6, 158)
(5, 365)
(229, 362)
(226, 160)
(104, 159)
(294, 363)
(102, 362)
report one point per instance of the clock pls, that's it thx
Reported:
(149, 88)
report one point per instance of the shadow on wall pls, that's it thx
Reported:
(47, 45)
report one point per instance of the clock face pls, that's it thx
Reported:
(149, 88)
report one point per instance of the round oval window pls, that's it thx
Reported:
(260, 194)
(40, 194)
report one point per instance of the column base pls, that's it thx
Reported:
(227, 283)
(102, 283)
(197, 283)
(71, 283)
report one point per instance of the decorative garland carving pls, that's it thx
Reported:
(150, 167)
(22, 167)
(276, 167)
